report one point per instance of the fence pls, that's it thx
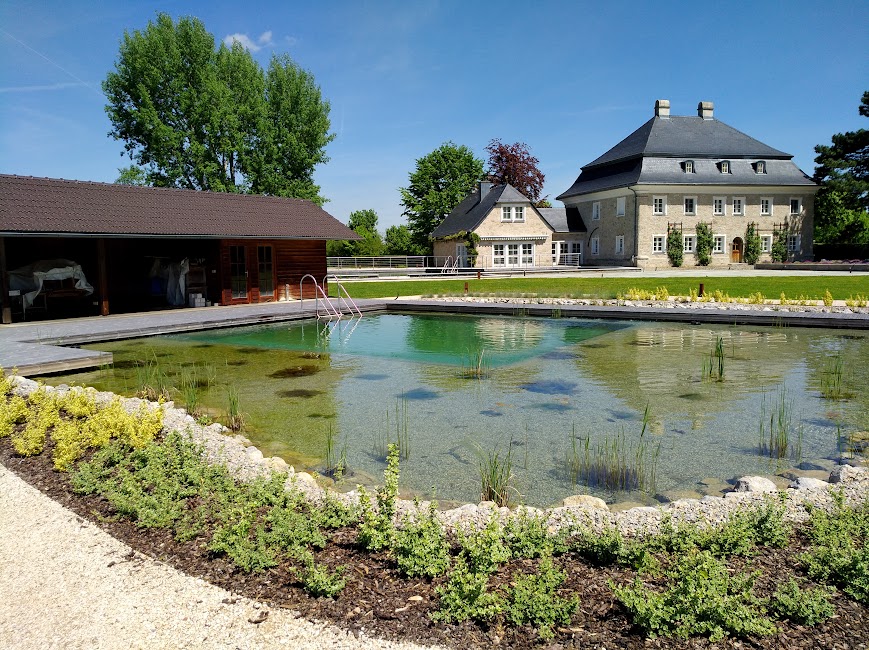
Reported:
(450, 264)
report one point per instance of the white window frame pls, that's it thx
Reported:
(595, 245)
(507, 213)
(499, 255)
(620, 244)
(663, 210)
(768, 211)
(766, 243)
(689, 166)
(526, 254)
(513, 254)
(799, 203)
(719, 239)
(693, 200)
(595, 211)
(741, 211)
(760, 167)
(688, 243)
(793, 244)
(620, 206)
(658, 244)
(724, 166)
(716, 200)
(512, 214)
(518, 214)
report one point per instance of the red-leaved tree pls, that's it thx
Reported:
(514, 164)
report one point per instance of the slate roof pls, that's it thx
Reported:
(471, 212)
(56, 206)
(653, 155)
(563, 220)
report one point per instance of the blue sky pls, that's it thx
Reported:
(570, 79)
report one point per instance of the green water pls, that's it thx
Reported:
(457, 387)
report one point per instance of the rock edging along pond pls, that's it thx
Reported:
(247, 462)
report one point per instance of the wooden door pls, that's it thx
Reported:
(238, 275)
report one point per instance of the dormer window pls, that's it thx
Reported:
(724, 166)
(760, 167)
(512, 213)
(688, 166)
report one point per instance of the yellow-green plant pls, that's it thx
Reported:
(41, 416)
(11, 413)
(828, 298)
(756, 298)
(661, 293)
(5, 383)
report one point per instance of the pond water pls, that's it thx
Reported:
(621, 410)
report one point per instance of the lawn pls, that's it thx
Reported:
(794, 286)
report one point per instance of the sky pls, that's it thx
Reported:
(569, 79)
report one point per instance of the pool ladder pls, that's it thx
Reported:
(331, 309)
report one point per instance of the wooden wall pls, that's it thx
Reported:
(292, 260)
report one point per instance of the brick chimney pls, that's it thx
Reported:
(662, 108)
(704, 110)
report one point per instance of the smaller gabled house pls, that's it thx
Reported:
(496, 226)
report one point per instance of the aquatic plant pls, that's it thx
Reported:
(190, 391)
(336, 459)
(779, 435)
(713, 367)
(476, 366)
(833, 379)
(496, 475)
(402, 432)
(235, 420)
(152, 381)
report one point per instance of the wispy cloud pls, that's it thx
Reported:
(31, 89)
(264, 40)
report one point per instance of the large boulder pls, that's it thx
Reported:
(808, 483)
(846, 473)
(586, 501)
(754, 484)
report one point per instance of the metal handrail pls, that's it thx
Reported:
(331, 310)
(346, 293)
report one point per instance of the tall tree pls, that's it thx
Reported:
(514, 164)
(364, 224)
(440, 181)
(843, 172)
(131, 175)
(197, 116)
(398, 241)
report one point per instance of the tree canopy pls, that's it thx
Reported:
(843, 172)
(364, 224)
(196, 116)
(514, 164)
(440, 181)
(398, 241)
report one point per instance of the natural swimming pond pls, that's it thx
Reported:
(621, 410)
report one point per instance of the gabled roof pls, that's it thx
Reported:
(471, 212)
(31, 205)
(654, 153)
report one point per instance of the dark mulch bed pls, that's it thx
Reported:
(376, 598)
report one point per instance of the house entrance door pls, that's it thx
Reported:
(462, 255)
(238, 272)
(736, 249)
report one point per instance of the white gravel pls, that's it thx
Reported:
(64, 583)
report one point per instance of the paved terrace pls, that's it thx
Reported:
(49, 346)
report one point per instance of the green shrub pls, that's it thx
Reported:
(376, 528)
(484, 549)
(752, 244)
(534, 599)
(420, 546)
(318, 580)
(705, 241)
(464, 596)
(528, 536)
(675, 246)
(701, 597)
(608, 547)
(779, 250)
(801, 605)
(12, 412)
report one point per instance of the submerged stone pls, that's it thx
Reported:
(419, 394)
(552, 387)
(298, 392)
(295, 371)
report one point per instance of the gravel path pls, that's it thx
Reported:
(64, 583)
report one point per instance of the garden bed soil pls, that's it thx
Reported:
(382, 603)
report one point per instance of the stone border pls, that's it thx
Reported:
(246, 462)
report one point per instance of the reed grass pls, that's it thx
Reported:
(779, 434)
(336, 458)
(397, 431)
(713, 367)
(496, 475)
(476, 366)
(235, 420)
(833, 384)
(190, 391)
(152, 381)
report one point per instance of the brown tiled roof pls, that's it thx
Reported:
(50, 205)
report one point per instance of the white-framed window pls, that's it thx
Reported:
(527, 254)
(659, 205)
(620, 244)
(793, 243)
(690, 205)
(738, 206)
(718, 242)
(658, 243)
(595, 210)
(689, 166)
(595, 245)
(506, 213)
(765, 206)
(796, 206)
(620, 206)
(765, 243)
(512, 213)
(724, 166)
(498, 258)
(688, 243)
(760, 167)
(718, 203)
(512, 254)
(518, 213)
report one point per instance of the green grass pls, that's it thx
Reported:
(813, 287)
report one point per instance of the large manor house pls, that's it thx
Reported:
(673, 172)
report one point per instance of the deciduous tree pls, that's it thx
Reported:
(440, 181)
(197, 116)
(398, 241)
(514, 164)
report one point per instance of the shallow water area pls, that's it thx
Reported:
(565, 399)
